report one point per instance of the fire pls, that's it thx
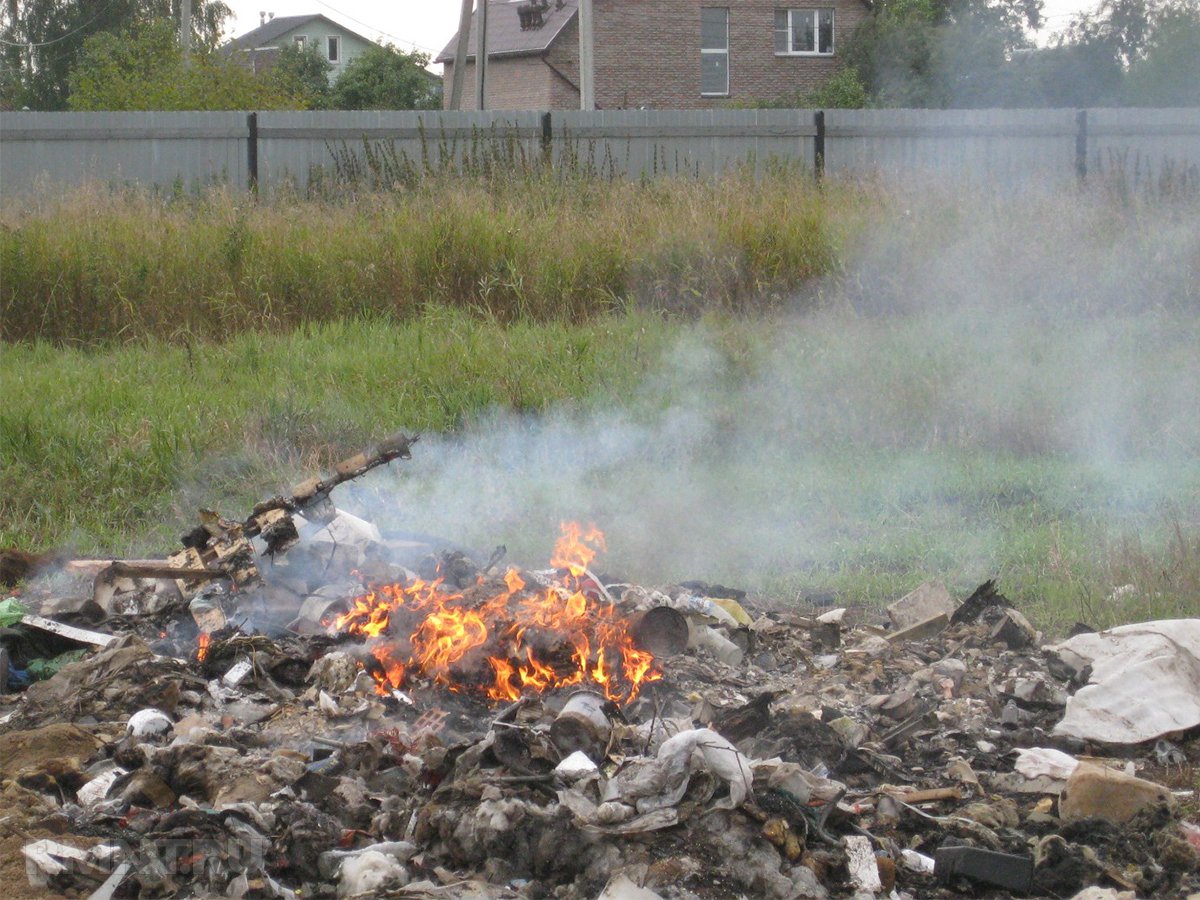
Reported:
(393, 669)
(517, 640)
(576, 548)
(202, 650)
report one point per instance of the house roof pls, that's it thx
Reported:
(277, 27)
(505, 36)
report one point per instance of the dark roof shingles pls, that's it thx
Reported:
(270, 31)
(505, 37)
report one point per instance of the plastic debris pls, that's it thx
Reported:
(11, 612)
(987, 867)
(1142, 682)
(150, 724)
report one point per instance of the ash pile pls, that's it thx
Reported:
(293, 705)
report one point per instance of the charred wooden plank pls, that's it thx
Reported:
(313, 493)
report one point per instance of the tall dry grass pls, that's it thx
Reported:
(94, 267)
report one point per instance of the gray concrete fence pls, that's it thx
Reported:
(299, 150)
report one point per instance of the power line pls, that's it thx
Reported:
(396, 37)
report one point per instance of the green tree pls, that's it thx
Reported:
(1065, 75)
(301, 72)
(1166, 71)
(1120, 27)
(143, 68)
(42, 39)
(1135, 52)
(941, 53)
(386, 78)
(842, 90)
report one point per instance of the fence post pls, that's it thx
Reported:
(1081, 144)
(252, 151)
(547, 139)
(819, 145)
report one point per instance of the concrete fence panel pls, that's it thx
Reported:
(388, 144)
(682, 142)
(1148, 147)
(158, 148)
(278, 150)
(972, 145)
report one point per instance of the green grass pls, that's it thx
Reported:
(108, 450)
(850, 391)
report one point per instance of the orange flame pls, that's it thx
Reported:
(202, 651)
(577, 548)
(517, 640)
(393, 669)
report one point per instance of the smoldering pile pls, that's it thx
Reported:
(293, 705)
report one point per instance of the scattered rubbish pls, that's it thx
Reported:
(1034, 761)
(622, 887)
(109, 889)
(1099, 893)
(706, 638)
(40, 669)
(583, 726)
(662, 630)
(369, 873)
(928, 796)
(11, 612)
(149, 724)
(860, 860)
(927, 602)
(81, 635)
(46, 861)
(1014, 630)
(917, 862)
(577, 765)
(300, 704)
(1101, 792)
(986, 867)
(921, 630)
(1045, 768)
(982, 599)
(237, 673)
(1126, 666)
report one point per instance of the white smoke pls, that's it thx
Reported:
(1050, 335)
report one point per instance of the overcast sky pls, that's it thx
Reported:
(427, 25)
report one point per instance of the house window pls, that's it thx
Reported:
(300, 40)
(333, 46)
(803, 32)
(714, 51)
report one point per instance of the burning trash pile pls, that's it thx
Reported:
(296, 705)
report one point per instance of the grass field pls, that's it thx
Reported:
(881, 388)
(97, 267)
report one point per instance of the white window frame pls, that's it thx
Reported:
(333, 48)
(714, 52)
(795, 13)
(300, 40)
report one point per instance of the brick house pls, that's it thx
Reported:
(672, 54)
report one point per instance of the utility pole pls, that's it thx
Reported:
(587, 63)
(481, 55)
(185, 28)
(460, 55)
